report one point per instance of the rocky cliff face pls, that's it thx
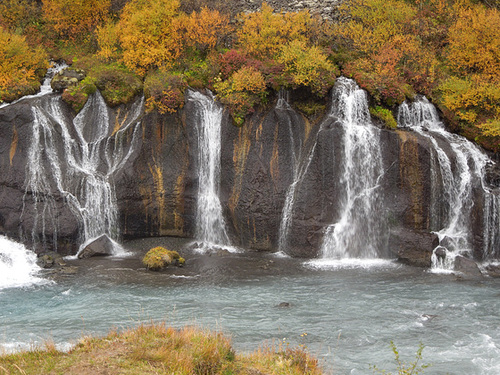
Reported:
(155, 181)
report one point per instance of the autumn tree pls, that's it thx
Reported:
(472, 93)
(307, 66)
(149, 34)
(204, 29)
(241, 92)
(20, 66)
(15, 15)
(108, 41)
(383, 52)
(75, 19)
(263, 33)
(474, 41)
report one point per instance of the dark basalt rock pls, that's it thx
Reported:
(102, 246)
(412, 247)
(467, 266)
(440, 252)
(156, 188)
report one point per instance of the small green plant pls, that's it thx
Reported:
(385, 115)
(159, 258)
(403, 368)
(310, 108)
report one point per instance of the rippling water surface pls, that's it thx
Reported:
(349, 312)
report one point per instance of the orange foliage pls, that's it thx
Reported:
(149, 34)
(205, 29)
(17, 13)
(475, 41)
(20, 66)
(75, 19)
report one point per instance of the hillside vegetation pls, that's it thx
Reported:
(448, 50)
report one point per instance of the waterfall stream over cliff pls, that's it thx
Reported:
(75, 157)
(210, 223)
(458, 170)
(358, 230)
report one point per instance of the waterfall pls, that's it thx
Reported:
(210, 224)
(80, 169)
(359, 229)
(458, 168)
(18, 266)
(299, 168)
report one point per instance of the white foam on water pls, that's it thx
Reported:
(18, 266)
(347, 263)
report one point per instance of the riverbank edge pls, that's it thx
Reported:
(155, 347)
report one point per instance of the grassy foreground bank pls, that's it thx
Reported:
(158, 349)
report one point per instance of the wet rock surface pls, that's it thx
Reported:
(102, 246)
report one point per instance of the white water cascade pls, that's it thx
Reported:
(80, 169)
(299, 169)
(358, 230)
(457, 171)
(210, 224)
(18, 266)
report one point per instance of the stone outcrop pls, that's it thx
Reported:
(66, 78)
(324, 8)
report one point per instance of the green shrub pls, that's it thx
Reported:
(310, 108)
(117, 84)
(159, 258)
(404, 368)
(76, 96)
(385, 115)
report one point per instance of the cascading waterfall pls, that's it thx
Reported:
(210, 224)
(18, 266)
(454, 181)
(80, 170)
(299, 169)
(358, 232)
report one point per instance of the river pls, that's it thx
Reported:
(344, 313)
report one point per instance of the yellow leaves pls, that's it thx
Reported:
(75, 18)
(307, 66)
(475, 41)
(19, 65)
(491, 128)
(107, 38)
(249, 79)
(263, 32)
(204, 29)
(149, 35)
(471, 99)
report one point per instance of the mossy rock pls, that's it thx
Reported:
(159, 258)
(68, 77)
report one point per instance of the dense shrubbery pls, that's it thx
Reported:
(164, 91)
(445, 49)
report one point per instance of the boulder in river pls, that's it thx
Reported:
(102, 246)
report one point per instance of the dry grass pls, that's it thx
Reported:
(159, 349)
